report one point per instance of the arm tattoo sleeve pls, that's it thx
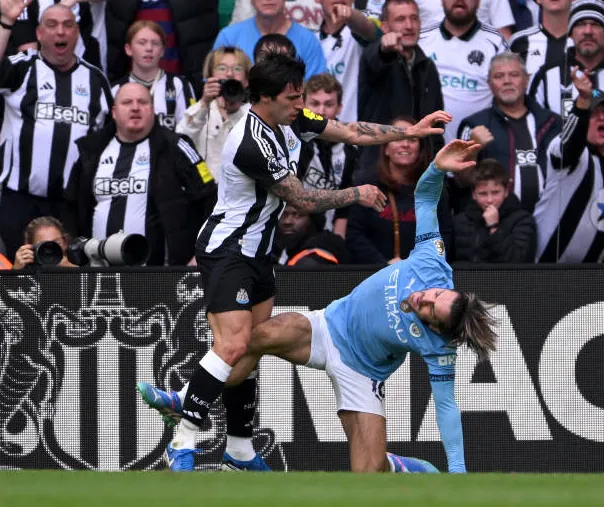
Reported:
(363, 132)
(293, 192)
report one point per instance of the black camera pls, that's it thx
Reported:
(232, 90)
(47, 253)
(119, 249)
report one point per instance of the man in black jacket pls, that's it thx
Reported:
(139, 177)
(195, 24)
(493, 228)
(515, 130)
(395, 76)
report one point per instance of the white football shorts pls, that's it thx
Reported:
(354, 391)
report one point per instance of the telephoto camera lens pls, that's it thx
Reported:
(47, 253)
(232, 90)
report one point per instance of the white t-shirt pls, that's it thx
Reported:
(463, 65)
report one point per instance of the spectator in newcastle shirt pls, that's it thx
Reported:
(51, 99)
(139, 177)
(171, 94)
(515, 130)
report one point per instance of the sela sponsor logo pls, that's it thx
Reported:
(337, 69)
(526, 157)
(458, 83)
(166, 120)
(50, 111)
(126, 186)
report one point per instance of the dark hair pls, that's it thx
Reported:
(490, 169)
(423, 161)
(273, 43)
(325, 82)
(38, 223)
(471, 323)
(270, 76)
(388, 3)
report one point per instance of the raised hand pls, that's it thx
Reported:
(10, 10)
(391, 42)
(425, 128)
(340, 14)
(482, 135)
(371, 196)
(457, 155)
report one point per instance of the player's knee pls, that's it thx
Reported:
(232, 350)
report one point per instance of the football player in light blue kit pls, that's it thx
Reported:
(361, 339)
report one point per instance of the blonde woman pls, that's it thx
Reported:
(222, 104)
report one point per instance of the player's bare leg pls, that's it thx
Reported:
(366, 434)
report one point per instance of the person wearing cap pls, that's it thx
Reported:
(552, 85)
(570, 213)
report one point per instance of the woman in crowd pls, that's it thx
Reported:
(40, 230)
(389, 236)
(172, 94)
(222, 104)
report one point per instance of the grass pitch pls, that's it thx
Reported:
(164, 489)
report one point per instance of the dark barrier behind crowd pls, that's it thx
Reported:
(73, 344)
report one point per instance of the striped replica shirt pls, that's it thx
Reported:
(463, 64)
(570, 213)
(121, 189)
(538, 48)
(46, 110)
(172, 95)
(553, 88)
(255, 157)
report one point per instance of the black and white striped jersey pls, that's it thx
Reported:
(538, 48)
(46, 110)
(172, 95)
(553, 88)
(121, 189)
(255, 157)
(570, 212)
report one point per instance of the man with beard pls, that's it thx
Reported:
(515, 130)
(552, 86)
(462, 47)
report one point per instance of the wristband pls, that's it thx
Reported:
(6, 26)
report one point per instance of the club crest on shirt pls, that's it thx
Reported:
(597, 211)
(476, 57)
(310, 115)
(414, 330)
(143, 159)
(81, 90)
(292, 143)
(242, 297)
(440, 247)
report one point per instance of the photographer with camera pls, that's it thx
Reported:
(45, 243)
(222, 105)
(138, 177)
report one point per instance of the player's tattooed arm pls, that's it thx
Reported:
(364, 133)
(291, 190)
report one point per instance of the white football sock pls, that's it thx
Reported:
(185, 435)
(240, 448)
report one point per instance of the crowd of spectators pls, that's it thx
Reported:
(114, 114)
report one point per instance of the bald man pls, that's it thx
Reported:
(51, 98)
(139, 177)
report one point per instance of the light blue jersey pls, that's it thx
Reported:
(374, 334)
(374, 329)
(245, 34)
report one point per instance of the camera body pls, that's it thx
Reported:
(47, 253)
(119, 249)
(232, 90)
